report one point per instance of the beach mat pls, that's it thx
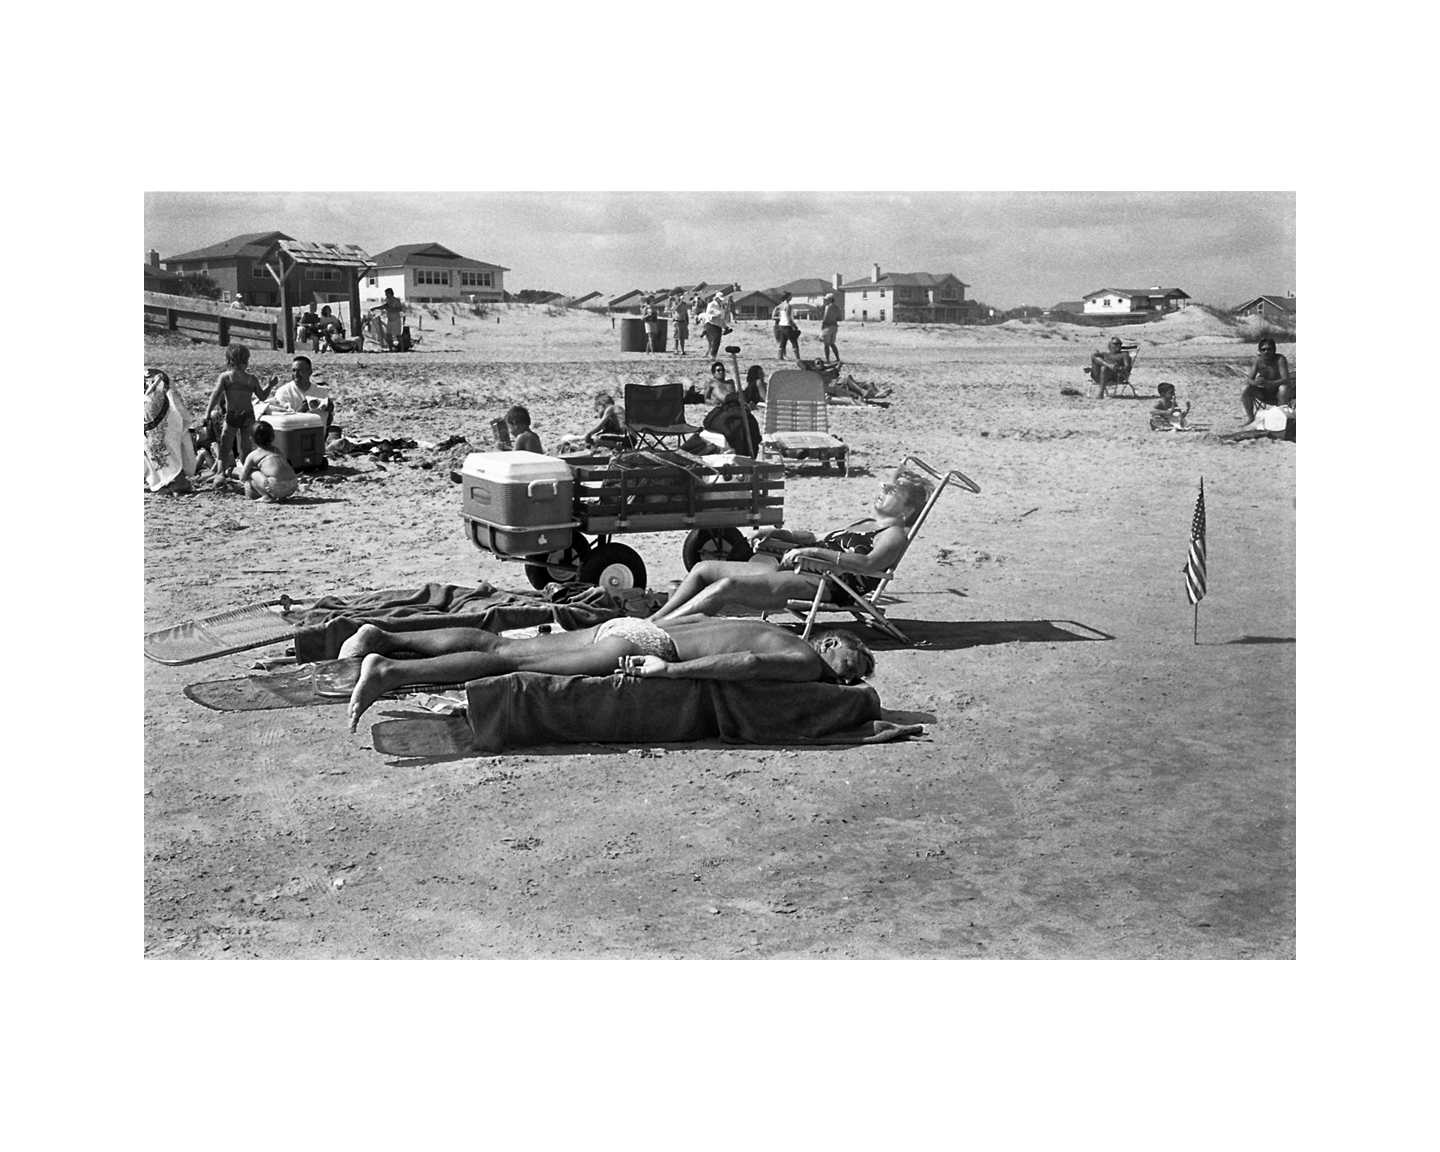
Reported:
(293, 688)
(235, 630)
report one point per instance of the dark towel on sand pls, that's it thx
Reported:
(332, 620)
(527, 708)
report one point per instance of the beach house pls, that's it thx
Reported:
(908, 298)
(1119, 301)
(432, 274)
(1274, 308)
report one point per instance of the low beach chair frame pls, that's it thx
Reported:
(797, 405)
(840, 592)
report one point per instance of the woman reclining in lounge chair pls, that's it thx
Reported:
(866, 548)
(682, 649)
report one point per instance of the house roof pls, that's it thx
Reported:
(1133, 292)
(331, 255)
(904, 280)
(153, 273)
(770, 297)
(1284, 303)
(813, 286)
(250, 246)
(1068, 306)
(582, 299)
(408, 255)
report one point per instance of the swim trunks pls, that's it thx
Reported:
(241, 419)
(651, 639)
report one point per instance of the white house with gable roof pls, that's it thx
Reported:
(432, 274)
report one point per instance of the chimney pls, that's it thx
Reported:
(876, 267)
(837, 282)
(153, 258)
(1290, 294)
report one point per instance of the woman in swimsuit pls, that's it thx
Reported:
(865, 549)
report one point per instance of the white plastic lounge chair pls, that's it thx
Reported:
(839, 591)
(797, 421)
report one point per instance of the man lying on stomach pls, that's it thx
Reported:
(691, 648)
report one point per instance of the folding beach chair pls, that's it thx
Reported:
(797, 421)
(841, 592)
(1122, 376)
(654, 412)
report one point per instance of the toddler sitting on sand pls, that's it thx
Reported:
(266, 474)
(1167, 415)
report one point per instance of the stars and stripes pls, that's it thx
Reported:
(1195, 564)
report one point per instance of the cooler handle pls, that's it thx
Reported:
(554, 487)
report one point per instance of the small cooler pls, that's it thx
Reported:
(517, 503)
(299, 437)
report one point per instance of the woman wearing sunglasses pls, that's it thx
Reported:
(767, 580)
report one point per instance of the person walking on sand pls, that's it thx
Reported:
(680, 318)
(234, 389)
(829, 328)
(699, 648)
(651, 316)
(786, 333)
(717, 322)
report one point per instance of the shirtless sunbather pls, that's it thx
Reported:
(693, 648)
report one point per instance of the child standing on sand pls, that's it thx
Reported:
(233, 389)
(266, 474)
(1167, 415)
(518, 421)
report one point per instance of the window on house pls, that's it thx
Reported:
(258, 271)
(864, 315)
(322, 274)
(432, 276)
(865, 295)
(882, 313)
(1105, 303)
(477, 280)
(372, 281)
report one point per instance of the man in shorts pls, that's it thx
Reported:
(1107, 368)
(829, 328)
(1269, 381)
(691, 648)
(785, 330)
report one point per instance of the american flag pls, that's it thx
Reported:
(1195, 564)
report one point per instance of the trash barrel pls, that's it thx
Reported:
(632, 334)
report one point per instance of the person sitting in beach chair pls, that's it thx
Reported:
(1111, 368)
(698, 649)
(769, 580)
(1269, 383)
(332, 328)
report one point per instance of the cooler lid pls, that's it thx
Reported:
(515, 467)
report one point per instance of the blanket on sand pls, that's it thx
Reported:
(527, 708)
(331, 620)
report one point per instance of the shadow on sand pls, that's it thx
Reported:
(949, 635)
(1263, 640)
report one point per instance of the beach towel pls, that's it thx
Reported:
(169, 451)
(528, 708)
(332, 620)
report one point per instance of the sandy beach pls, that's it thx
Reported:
(1091, 783)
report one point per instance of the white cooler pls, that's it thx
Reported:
(518, 503)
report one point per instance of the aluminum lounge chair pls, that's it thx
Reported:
(797, 421)
(839, 591)
(655, 412)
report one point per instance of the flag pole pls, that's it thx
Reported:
(1196, 636)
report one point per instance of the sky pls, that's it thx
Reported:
(1012, 248)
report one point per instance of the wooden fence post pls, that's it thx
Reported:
(224, 331)
(274, 336)
(172, 319)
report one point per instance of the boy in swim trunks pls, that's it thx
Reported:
(233, 389)
(266, 474)
(695, 648)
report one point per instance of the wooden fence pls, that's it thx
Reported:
(209, 320)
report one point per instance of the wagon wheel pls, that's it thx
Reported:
(715, 544)
(558, 566)
(613, 567)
